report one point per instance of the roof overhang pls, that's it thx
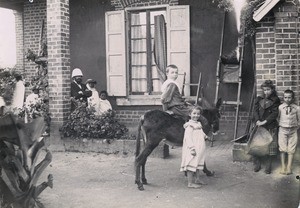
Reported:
(264, 9)
(12, 4)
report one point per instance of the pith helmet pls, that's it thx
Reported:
(76, 72)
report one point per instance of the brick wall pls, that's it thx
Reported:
(58, 22)
(277, 43)
(129, 116)
(286, 37)
(265, 51)
(34, 14)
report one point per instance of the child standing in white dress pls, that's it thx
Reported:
(193, 149)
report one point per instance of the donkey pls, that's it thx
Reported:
(156, 125)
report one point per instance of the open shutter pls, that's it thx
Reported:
(115, 53)
(178, 40)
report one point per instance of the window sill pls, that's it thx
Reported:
(139, 100)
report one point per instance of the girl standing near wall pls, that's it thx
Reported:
(265, 115)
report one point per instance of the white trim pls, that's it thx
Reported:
(143, 100)
(162, 6)
(132, 100)
(264, 9)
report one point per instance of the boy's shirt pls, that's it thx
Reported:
(171, 95)
(289, 115)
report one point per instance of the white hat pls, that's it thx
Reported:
(91, 81)
(76, 72)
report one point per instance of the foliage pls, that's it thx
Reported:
(30, 55)
(39, 81)
(7, 84)
(20, 164)
(83, 123)
(247, 21)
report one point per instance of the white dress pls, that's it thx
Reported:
(104, 106)
(94, 99)
(18, 97)
(194, 138)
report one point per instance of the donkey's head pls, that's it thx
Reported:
(212, 114)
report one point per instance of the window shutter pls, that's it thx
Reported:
(178, 40)
(115, 53)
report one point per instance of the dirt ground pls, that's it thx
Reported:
(91, 180)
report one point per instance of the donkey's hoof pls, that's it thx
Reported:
(50, 181)
(141, 188)
(144, 181)
(210, 173)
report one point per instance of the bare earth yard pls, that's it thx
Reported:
(91, 180)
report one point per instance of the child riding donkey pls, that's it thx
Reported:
(157, 125)
(174, 103)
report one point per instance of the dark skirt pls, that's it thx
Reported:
(273, 148)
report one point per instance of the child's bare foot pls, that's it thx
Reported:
(289, 171)
(194, 185)
(282, 171)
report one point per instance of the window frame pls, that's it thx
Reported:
(149, 92)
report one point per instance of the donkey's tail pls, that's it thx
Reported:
(138, 138)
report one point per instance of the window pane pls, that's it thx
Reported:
(139, 86)
(138, 31)
(139, 79)
(139, 72)
(139, 59)
(138, 45)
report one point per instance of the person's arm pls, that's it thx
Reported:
(274, 112)
(109, 105)
(86, 92)
(167, 95)
(279, 114)
(188, 138)
(75, 91)
(256, 110)
(298, 116)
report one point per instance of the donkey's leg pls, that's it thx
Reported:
(208, 172)
(140, 162)
(144, 180)
(138, 173)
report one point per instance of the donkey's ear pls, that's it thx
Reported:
(219, 103)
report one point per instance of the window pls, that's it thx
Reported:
(144, 78)
(131, 69)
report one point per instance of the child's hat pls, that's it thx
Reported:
(90, 81)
